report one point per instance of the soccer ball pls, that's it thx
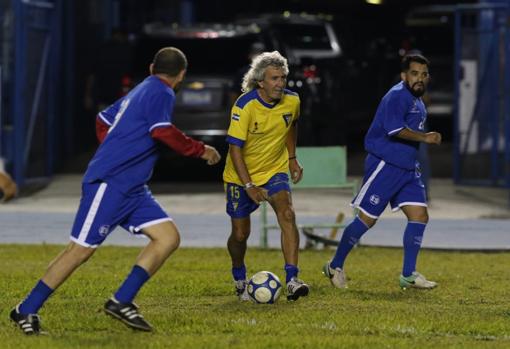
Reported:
(264, 287)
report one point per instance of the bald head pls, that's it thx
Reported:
(169, 61)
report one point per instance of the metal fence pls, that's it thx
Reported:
(482, 95)
(32, 82)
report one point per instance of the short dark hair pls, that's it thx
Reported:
(414, 57)
(170, 61)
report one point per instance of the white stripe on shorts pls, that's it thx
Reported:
(409, 203)
(365, 212)
(365, 187)
(154, 222)
(92, 213)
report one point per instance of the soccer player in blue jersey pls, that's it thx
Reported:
(114, 191)
(262, 150)
(392, 173)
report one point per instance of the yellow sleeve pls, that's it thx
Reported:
(239, 123)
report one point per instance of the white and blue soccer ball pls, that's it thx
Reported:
(264, 287)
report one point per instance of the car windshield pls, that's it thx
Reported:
(305, 36)
(210, 56)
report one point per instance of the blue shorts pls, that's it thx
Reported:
(385, 183)
(239, 204)
(103, 208)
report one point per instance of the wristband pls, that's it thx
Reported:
(292, 157)
(249, 185)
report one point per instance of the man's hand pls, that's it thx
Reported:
(7, 187)
(211, 155)
(296, 170)
(433, 138)
(257, 194)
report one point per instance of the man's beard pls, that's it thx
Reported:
(416, 93)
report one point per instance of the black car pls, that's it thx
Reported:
(312, 48)
(218, 52)
(215, 53)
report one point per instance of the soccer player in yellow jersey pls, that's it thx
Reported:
(262, 150)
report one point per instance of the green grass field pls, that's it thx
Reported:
(191, 303)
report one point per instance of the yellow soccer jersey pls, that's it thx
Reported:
(261, 129)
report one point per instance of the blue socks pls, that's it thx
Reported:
(350, 238)
(412, 244)
(125, 294)
(35, 299)
(135, 280)
(291, 271)
(239, 273)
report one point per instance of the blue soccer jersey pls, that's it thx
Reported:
(398, 109)
(126, 157)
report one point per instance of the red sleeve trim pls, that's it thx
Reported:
(178, 141)
(101, 129)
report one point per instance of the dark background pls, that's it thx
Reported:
(372, 37)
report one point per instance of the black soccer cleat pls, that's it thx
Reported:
(128, 314)
(30, 324)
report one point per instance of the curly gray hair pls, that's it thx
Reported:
(258, 68)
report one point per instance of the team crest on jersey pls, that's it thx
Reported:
(235, 117)
(104, 230)
(414, 108)
(374, 199)
(287, 117)
(255, 129)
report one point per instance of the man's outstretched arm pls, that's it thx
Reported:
(184, 145)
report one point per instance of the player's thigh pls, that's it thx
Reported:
(277, 183)
(239, 205)
(413, 196)
(149, 218)
(100, 211)
(382, 183)
(278, 190)
(282, 203)
(165, 231)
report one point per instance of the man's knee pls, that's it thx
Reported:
(416, 214)
(421, 217)
(165, 235)
(80, 254)
(367, 220)
(241, 230)
(287, 214)
(240, 234)
(170, 241)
